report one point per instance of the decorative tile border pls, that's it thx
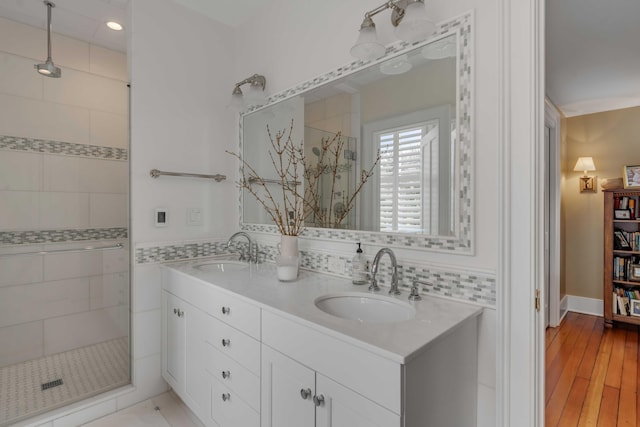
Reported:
(34, 145)
(463, 242)
(177, 252)
(473, 286)
(61, 236)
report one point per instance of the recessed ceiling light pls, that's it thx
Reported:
(114, 25)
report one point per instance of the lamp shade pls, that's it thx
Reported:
(585, 164)
(255, 95)
(367, 46)
(415, 24)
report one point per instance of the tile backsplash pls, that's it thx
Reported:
(467, 285)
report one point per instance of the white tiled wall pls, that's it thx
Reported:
(56, 302)
(53, 303)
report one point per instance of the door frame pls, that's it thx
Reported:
(552, 121)
(520, 341)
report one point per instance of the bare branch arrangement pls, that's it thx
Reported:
(285, 209)
(289, 209)
(331, 151)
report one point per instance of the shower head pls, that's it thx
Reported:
(48, 68)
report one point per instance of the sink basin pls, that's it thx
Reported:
(365, 308)
(221, 265)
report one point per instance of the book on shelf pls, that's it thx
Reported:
(626, 203)
(622, 298)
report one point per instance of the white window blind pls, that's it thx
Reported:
(407, 158)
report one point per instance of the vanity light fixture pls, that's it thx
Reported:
(395, 66)
(408, 16)
(587, 183)
(115, 26)
(47, 68)
(255, 94)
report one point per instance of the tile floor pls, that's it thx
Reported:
(84, 372)
(166, 410)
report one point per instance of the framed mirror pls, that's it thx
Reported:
(408, 119)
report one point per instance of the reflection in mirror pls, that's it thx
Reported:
(409, 115)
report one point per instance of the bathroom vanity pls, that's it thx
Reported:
(243, 349)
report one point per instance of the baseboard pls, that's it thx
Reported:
(563, 308)
(584, 305)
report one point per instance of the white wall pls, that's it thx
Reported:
(294, 41)
(181, 81)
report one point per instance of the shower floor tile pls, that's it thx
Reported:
(84, 372)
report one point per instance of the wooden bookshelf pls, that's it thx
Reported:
(611, 224)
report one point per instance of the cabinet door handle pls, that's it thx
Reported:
(175, 311)
(226, 310)
(180, 313)
(226, 342)
(318, 400)
(226, 374)
(305, 393)
(225, 397)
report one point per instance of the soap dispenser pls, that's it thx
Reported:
(359, 268)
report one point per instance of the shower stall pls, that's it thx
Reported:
(64, 257)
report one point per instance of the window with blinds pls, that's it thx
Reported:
(408, 163)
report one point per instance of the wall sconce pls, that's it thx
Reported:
(408, 16)
(587, 183)
(255, 94)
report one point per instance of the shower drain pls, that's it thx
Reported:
(51, 384)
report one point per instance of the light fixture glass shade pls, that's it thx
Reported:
(237, 102)
(255, 95)
(367, 46)
(399, 65)
(415, 25)
(585, 164)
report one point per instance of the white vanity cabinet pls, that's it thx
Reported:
(358, 387)
(213, 366)
(244, 350)
(294, 395)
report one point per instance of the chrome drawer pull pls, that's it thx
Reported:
(226, 374)
(226, 310)
(226, 342)
(305, 393)
(318, 400)
(225, 397)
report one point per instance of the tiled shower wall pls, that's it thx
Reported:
(63, 185)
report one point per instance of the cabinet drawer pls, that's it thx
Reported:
(234, 311)
(234, 376)
(369, 374)
(233, 344)
(229, 410)
(218, 303)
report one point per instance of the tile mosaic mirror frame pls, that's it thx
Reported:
(462, 242)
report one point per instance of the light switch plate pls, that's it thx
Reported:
(194, 216)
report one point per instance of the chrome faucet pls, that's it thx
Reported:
(252, 255)
(394, 272)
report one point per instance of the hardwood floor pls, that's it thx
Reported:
(591, 374)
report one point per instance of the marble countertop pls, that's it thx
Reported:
(399, 341)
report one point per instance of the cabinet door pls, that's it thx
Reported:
(173, 341)
(342, 407)
(287, 391)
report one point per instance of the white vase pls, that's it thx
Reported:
(288, 261)
(288, 246)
